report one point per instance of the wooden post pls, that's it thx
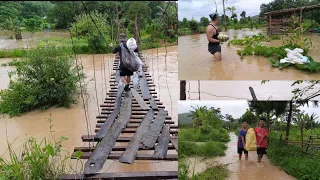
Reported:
(183, 95)
(270, 24)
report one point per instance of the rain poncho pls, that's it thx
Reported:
(129, 59)
(295, 56)
(251, 142)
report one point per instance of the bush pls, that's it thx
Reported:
(293, 161)
(207, 149)
(47, 77)
(204, 134)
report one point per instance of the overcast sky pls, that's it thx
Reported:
(234, 107)
(202, 8)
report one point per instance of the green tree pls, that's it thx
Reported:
(32, 25)
(184, 22)
(194, 26)
(204, 21)
(250, 117)
(268, 109)
(137, 11)
(14, 25)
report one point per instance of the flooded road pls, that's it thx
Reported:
(71, 122)
(196, 63)
(233, 90)
(242, 170)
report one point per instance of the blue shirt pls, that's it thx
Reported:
(243, 133)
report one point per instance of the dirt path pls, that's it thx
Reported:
(240, 170)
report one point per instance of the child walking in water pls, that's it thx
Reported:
(261, 135)
(242, 140)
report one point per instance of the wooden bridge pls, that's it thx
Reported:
(139, 113)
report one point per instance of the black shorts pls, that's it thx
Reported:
(242, 149)
(213, 48)
(125, 71)
(262, 151)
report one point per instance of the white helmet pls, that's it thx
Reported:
(131, 44)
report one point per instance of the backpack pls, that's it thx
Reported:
(129, 59)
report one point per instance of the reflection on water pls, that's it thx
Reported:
(241, 170)
(71, 122)
(196, 63)
(226, 90)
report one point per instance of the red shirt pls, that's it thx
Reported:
(260, 133)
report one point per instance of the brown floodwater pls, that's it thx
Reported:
(71, 122)
(27, 41)
(242, 170)
(196, 63)
(233, 90)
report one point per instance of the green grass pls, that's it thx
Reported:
(219, 172)
(290, 158)
(14, 53)
(204, 135)
(36, 160)
(207, 149)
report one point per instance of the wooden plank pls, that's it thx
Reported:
(107, 124)
(149, 175)
(129, 155)
(139, 99)
(161, 148)
(138, 121)
(117, 78)
(174, 141)
(117, 103)
(140, 156)
(153, 103)
(132, 117)
(100, 154)
(90, 138)
(133, 130)
(115, 148)
(151, 136)
(144, 87)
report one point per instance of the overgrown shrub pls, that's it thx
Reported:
(204, 134)
(47, 77)
(293, 161)
(207, 149)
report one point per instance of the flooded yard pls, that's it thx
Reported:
(196, 63)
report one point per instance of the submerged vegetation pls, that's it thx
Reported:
(254, 46)
(46, 77)
(36, 160)
(202, 137)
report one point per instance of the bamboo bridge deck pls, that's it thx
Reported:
(140, 113)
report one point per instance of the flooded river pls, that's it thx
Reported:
(196, 63)
(71, 122)
(233, 90)
(243, 170)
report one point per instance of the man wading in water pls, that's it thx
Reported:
(125, 73)
(261, 135)
(212, 35)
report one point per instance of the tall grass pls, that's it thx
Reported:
(207, 149)
(204, 134)
(293, 161)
